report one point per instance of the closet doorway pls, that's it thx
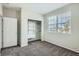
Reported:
(34, 30)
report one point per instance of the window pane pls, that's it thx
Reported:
(59, 25)
(52, 20)
(59, 19)
(52, 26)
(52, 23)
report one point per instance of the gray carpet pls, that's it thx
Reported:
(38, 48)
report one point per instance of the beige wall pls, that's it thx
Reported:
(25, 15)
(69, 41)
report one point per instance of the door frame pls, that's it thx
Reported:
(35, 20)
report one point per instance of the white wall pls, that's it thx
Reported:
(1, 10)
(25, 15)
(9, 12)
(0, 26)
(0, 33)
(69, 41)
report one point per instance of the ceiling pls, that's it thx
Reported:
(41, 8)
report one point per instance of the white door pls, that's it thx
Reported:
(9, 32)
(0, 32)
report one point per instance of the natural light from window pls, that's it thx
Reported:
(60, 23)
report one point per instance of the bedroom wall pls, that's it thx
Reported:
(69, 41)
(1, 10)
(0, 29)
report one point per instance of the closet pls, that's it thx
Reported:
(9, 32)
(34, 30)
(8, 27)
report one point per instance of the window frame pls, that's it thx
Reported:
(57, 22)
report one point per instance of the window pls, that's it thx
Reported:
(60, 23)
(52, 23)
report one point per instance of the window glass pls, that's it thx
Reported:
(60, 23)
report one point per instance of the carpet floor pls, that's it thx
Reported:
(38, 48)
